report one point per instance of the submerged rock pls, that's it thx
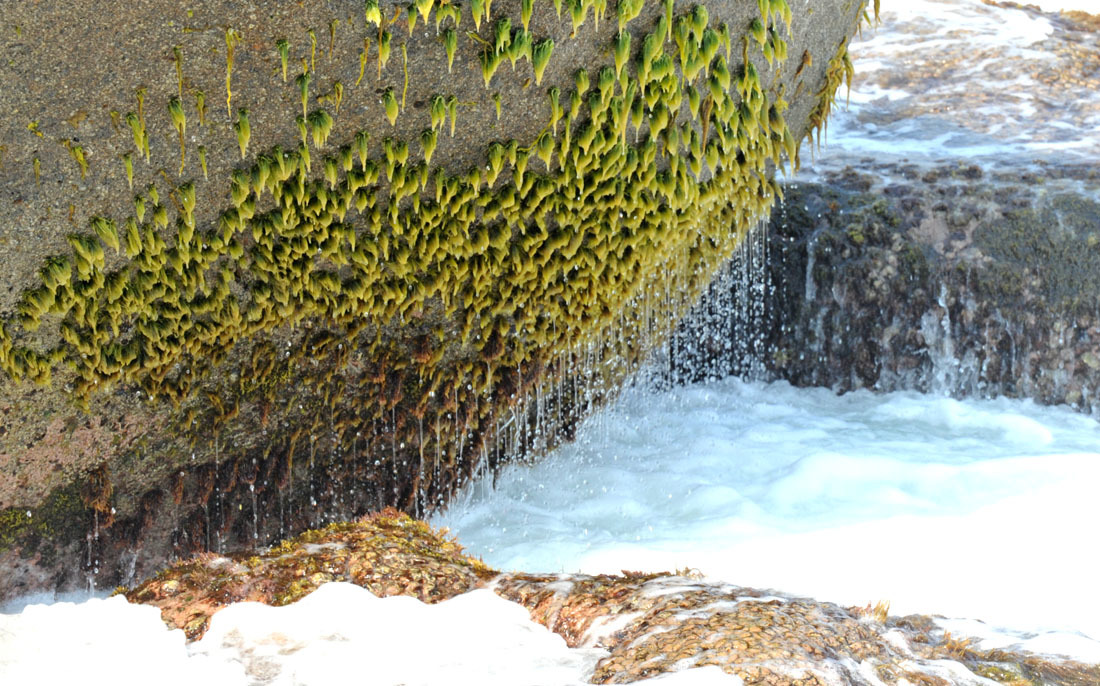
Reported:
(649, 624)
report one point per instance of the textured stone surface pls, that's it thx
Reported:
(318, 362)
(387, 553)
(946, 279)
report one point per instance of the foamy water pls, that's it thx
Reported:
(339, 634)
(980, 510)
(959, 79)
(977, 509)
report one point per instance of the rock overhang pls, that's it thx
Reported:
(361, 240)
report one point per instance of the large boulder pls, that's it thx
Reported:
(270, 266)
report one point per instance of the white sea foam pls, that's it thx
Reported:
(340, 633)
(99, 641)
(975, 508)
(948, 79)
(341, 629)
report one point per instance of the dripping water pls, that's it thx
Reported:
(255, 515)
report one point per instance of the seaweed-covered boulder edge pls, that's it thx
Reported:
(648, 624)
(271, 267)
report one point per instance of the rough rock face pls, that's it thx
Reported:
(949, 280)
(271, 267)
(649, 624)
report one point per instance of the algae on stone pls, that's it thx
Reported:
(497, 273)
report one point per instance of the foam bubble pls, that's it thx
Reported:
(340, 633)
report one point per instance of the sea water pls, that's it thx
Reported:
(963, 81)
(980, 510)
(976, 509)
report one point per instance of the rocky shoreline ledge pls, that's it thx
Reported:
(957, 281)
(941, 278)
(649, 624)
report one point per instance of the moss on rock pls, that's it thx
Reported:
(63, 516)
(378, 285)
(520, 264)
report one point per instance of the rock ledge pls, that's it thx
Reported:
(648, 623)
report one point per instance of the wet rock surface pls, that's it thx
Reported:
(236, 344)
(659, 623)
(387, 553)
(955, 284)
(649, 624)
(946, 279)
(946, 238)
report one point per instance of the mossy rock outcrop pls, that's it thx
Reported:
(271, 266)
